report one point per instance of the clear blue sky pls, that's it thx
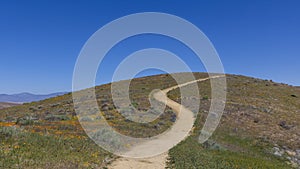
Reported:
(40, 40)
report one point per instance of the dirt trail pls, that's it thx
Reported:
(174, 135)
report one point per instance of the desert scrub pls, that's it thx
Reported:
(27, 120)
(9, 131)
(52, 117)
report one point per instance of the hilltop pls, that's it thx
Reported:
(259, 127)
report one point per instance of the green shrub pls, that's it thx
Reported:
(205, 98)
(212, 145)
(25, 121)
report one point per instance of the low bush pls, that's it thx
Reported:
(52, 117)
(27, 120)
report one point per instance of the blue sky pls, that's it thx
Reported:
(40, 40)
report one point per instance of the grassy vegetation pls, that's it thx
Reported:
(51, 136)
(190, 154)
(258, 115)
(22, 149)
(250, 127)
(224, 150)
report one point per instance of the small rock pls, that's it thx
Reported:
(285, 147)
(284, 125)
(291, 153)
(294, 95)
(277, 153)
(276, 149)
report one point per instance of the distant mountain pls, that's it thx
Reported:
(27, 97)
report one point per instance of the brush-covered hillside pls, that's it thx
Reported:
(6, 105)
(260, 128)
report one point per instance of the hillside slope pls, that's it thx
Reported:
(259, 128)
(260, 121)
(6, 105)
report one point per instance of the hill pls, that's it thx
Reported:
(27, 97)
(259, 128)
(6, 105)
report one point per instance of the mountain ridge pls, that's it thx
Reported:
(26, 97)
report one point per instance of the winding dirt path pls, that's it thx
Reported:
(179, 130)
